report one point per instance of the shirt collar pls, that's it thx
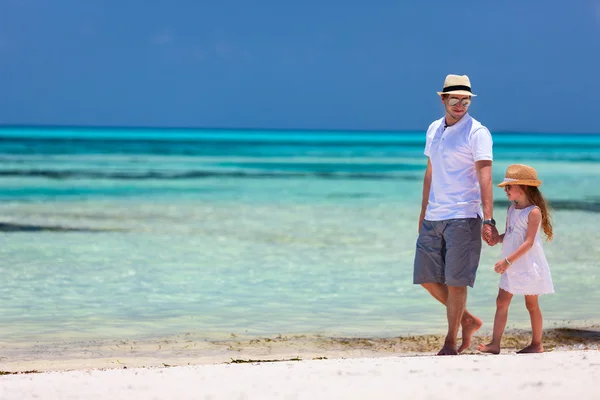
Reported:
(465, 119)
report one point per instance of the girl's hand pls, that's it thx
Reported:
(501, 266)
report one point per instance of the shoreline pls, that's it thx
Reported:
(186, 349)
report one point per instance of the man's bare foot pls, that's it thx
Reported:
(470, 325)
(532, 348)
(489, 348)
(448, 350)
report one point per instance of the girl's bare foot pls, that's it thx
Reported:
(489, 348)
(532, 348)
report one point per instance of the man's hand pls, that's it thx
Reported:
(495, 237)
(486, 233)
(421, 218)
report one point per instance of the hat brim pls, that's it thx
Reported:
(459, 92)
(521, 182)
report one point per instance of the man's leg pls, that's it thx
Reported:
(463, 249)
(455, 307)
(470, 323)
(429, 273)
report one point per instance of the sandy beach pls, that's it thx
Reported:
(553, 375)
(300, 367)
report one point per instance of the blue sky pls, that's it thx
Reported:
(298, 65)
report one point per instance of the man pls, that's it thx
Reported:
(457, 183)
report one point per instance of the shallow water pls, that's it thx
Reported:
(257, 235)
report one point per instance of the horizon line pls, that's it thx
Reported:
(256, 129)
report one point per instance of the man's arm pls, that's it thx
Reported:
(426, 189)
(484, 175)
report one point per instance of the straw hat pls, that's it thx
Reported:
(519, 174)
(457, 84)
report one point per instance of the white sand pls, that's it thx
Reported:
(554, 375)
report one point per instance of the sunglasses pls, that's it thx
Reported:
(454, 101)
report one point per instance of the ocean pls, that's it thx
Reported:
(146, 233)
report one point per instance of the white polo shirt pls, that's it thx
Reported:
(453, 151)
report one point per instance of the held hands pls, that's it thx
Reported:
(501, 266)
(490, 234)
(495, 237)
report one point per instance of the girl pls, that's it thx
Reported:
(524, 267)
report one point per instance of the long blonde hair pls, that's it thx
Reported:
(535, 196)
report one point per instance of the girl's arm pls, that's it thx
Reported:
(533, 223)
(501, 237)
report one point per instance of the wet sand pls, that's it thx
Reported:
(188, 349)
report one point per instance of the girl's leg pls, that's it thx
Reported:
(535, 314)
(502, 304)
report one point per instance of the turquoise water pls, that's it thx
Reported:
(115, 233)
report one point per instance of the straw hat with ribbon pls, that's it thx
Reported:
(457, 84)
(519, 174)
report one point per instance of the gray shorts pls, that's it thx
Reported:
(448, 252)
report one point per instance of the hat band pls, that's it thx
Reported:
(510, 180)
(456, 87)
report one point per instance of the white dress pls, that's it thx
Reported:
(530, 273)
